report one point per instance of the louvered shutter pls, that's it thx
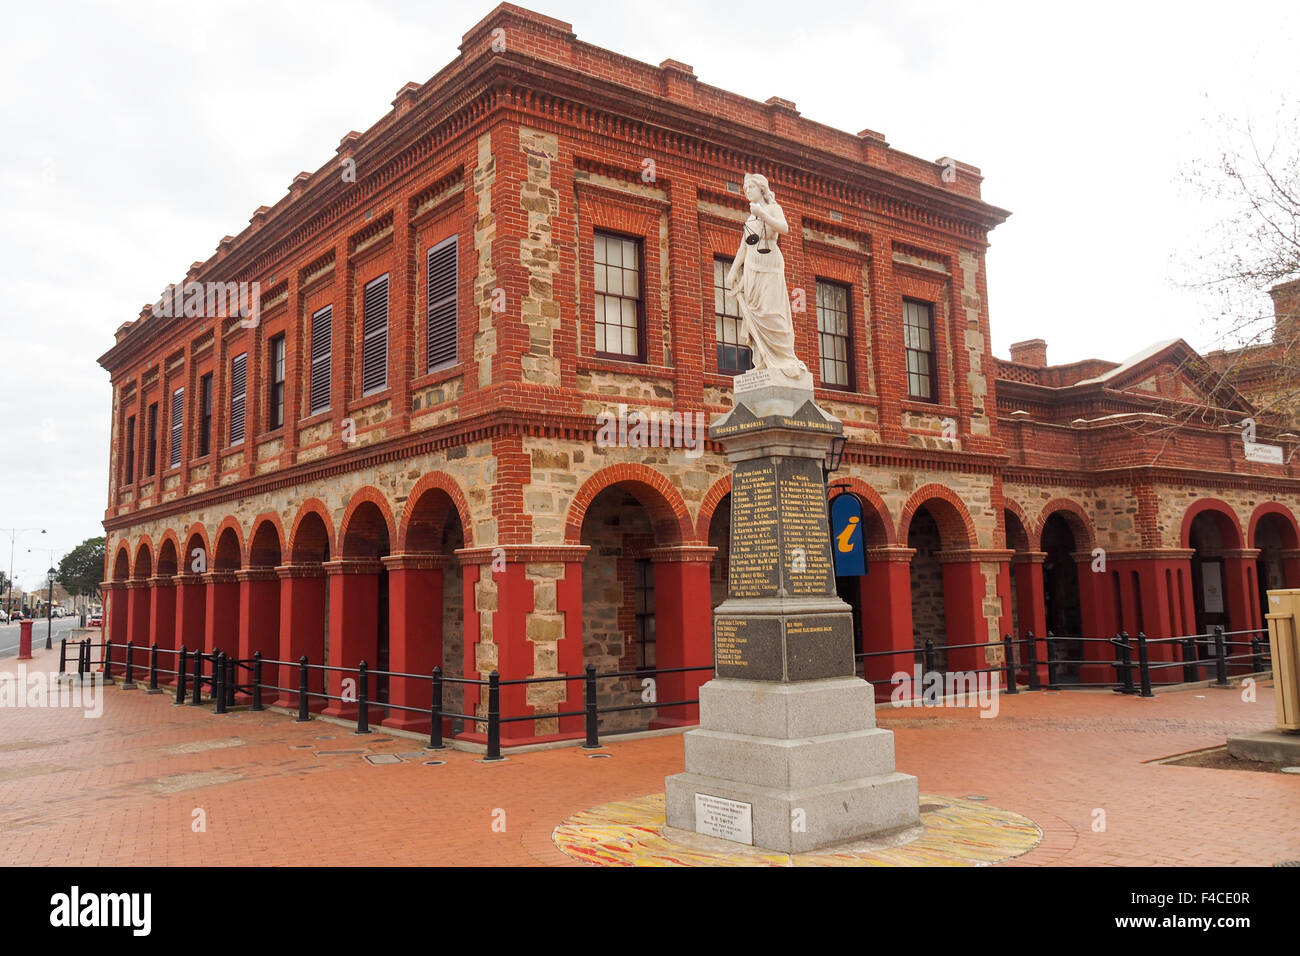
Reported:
(238, 382)
(441, 332)
(322, 337)
(178, 429)
(374, 345)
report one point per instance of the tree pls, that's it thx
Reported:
(82, 569)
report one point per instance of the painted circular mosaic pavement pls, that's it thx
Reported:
(953, 832)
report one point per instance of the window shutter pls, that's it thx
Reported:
(238, 382)
(374, 346)
(178, 428)
(441, 333)
(322, 336)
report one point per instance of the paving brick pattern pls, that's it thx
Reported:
(123, 789)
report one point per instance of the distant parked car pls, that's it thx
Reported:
(96, 620)
(4, 618)
(17, 616)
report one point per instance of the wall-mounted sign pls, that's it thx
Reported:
(1212, 587)
(847, 542)
(1268, 454)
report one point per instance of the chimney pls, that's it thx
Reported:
(1286, 310)
(1030, 352)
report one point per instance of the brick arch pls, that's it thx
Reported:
(436, 481)
(257, 545)
(1218, 506)
(712, 498)
(122, 562)
(366, 495)
(956, 529)
(229, 523)
(198, 531)
(1075, 517)
(1033, 538)
(144, 548)
(668, 513)
(881, 523)
(169, 540)
(312, 506)
(1273, 508)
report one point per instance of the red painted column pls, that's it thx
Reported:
(963, 606)
(1243, 602)
(353, 625)
(568, 601)
(221, 613)
(415, 634)
(138, 612)
(887, 617)
(259, 614)
(1095, 610)
(1031, 609)
(683, 629)
(191, 616)
(162, 621)
(1291, 567)
(117, 618)
(302, 631)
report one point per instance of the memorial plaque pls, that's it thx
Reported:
(805, 532)
(727, 819)
(818, 646)
(754, 567)
(748, 648)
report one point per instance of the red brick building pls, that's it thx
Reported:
(397, 459)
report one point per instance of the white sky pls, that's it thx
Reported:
(138, 134)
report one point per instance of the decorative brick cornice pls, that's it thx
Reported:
(300, 571)
(890, 553)
(525, 553)
(974, 555)
(1138, 554)
(413, 561)
(187, 580)
(352, 566)
(165, 581)
(682, 554)
(256, 574)
(1029, 557)
(219, 577)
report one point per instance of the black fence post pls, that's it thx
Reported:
(1124, 662)
(128, 683)
(63, 654)
(105, 659)
(589, 705)
(198, 679)
(1051, 664)
(219, 681)
(494, 717)
(1010, 662)
(153, 668)
(302, 689)
(180, 675)
(435, 712)
(363, 699)
(1031, 656)
(1220, 658)
(229, 675)
(257, 680)
(929, 657)
(1144, 665)
(1191, 672)
(1256, 655)
(83, 656)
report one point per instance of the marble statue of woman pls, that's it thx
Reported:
(757, 282)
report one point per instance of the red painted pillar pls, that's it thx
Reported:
(1243, 602)
(569, 660)
(116, 617)
(1031, 608)
(1291, 567)
(353, 626)
(191, 601)
(496, 623)
(963, 606)
(887, 617)
(302, 631)
(683, 629)
(162, 619)
(259, 614)
(415, 634)
(137, 590)
(221, 613)
(1095, 609)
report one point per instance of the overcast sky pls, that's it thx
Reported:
(138, 134)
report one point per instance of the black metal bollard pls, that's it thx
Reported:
(257, 680)
(63, 655)
(180, 675)
(85, 655)
(219, 681)
(1051, 664)
(929, 657)
(302, 689)
(153, 668)
(1144, 665)
(1010, 664)
(1256, 655)
(363, 699)
(105, 659)
(1191, 672)
(81, 658)
(229, 676)
(128, 683)
(198, 679)
(494, 717)
(435, 712)
(1220, 658)
(1124, 662)
(1031, 655)
(589, 705)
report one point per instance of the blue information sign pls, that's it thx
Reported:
(846, 536)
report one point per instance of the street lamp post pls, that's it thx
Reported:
(49, 610)
(13, 536)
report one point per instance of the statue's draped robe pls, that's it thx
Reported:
(764, 303)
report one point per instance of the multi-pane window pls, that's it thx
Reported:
(441, 317)
(177, 429)
(275, 400)
(322, 339)
(238, 396)
(918, 340)
(617, 263)
(129, 469)
(645, 612)
(833, 334)
(151, 445)
(205, 414)
(732, 356)
(374, 336)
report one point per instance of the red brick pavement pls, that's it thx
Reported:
(122, 789)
